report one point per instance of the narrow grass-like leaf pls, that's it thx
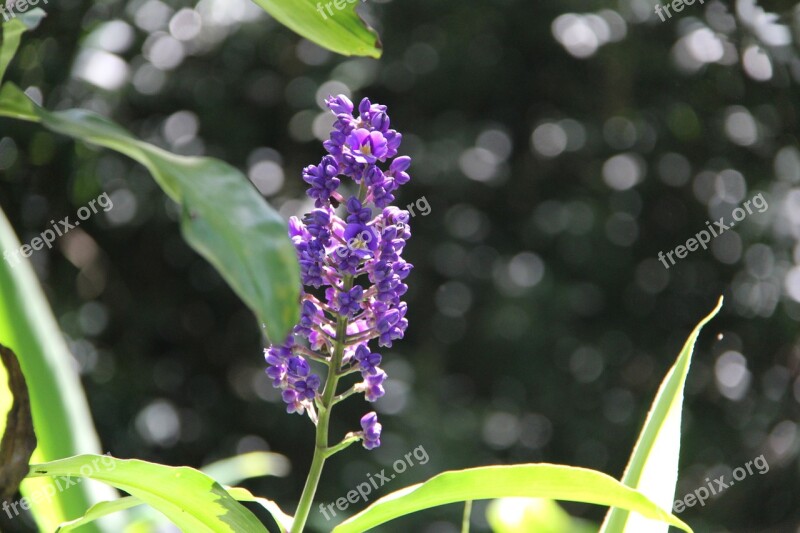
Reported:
(224, 217)
(190, 499)
(60, 413)
(339, 30)
(653, 466)
(557, 482)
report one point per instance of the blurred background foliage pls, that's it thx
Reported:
(560, 146)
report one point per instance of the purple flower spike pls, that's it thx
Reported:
(349, 247)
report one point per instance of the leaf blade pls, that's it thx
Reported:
(283, 520)
(224, 219)
(12, 35)
(339, 30)
(98, 511)
(653, 466)
(542, 480)
(60, 411)
(511, 515)
(190, 499)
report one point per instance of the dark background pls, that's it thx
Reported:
(541, 322)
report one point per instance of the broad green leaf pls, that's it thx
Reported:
(512, 515)
(339, 30)
(190, 499)
(550, 481)
(234, 470)
(60, 413)
(103, 509)
(226, 471)
(653, 466)
(12, 35)
(224, 217)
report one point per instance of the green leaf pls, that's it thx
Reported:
(12, 35)
(224, 217)
(653, 466)
(234, 470)
(15, 104)
(60, 413)
(103, 509)
(190, 499)
(555, 482)
(512, 515)
(343, 31)
(243, 495)
(98, 511)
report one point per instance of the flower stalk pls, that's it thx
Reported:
(352, 269)
(321, 450)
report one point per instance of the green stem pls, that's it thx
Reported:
(467, 514)
(342, 445)
(346, 394)
(309, 490)
(321, 451)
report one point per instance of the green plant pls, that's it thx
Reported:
(230, 225)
